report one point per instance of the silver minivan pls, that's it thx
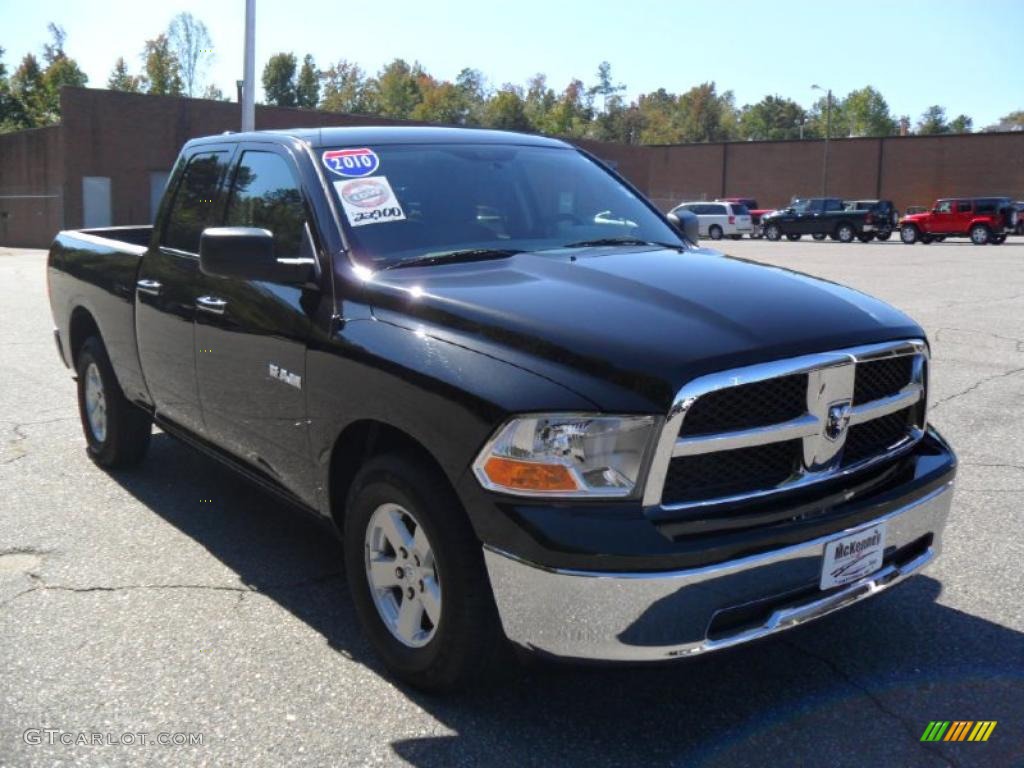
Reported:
(718, 220)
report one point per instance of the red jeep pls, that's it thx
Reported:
(983, 219)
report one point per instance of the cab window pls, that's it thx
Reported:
(964, 206)
(264, 194)
(944, 206)
(192, 209)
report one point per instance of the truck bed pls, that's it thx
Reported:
(96, 269)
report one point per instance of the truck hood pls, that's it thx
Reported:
(627, 327)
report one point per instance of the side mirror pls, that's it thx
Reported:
(248, 253)
(686, 223)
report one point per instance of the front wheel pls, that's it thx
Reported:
(845, 233)
(979, 234)
(116, 432)
(773, 232)
(715, 232)
(909, 234)
(417, 576)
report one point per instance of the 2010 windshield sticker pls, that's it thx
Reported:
(351, 163)
(369, 201)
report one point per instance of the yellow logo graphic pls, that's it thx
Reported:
(958, 730)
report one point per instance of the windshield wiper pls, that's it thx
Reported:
(454, 257)
(620, 241)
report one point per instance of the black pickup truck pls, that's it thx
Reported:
(528, 404)
(823, 217)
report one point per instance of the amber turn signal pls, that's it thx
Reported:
(528, 475)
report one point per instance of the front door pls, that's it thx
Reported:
(167, 283)
(943, 218)
(251, 335)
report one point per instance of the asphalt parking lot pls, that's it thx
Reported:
(177, 599)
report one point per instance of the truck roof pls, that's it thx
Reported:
(377, 135)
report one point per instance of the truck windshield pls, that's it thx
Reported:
(407, 202)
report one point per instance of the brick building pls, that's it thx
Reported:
(107, 161)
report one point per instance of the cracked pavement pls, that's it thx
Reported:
(127, 605)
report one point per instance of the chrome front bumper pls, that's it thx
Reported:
(656, 616)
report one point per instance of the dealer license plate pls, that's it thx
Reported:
(853, 556)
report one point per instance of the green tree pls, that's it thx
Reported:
(961, 124)
(605, 88)
(213, 93)
(704, 115)
(539, 103)
(571, 114)
(398, 89)
(60, 71)
(441, 103)
(1014, 121)
(473, 90)
(28, 93)
(773, 118)
(933, 121)
(307, 91)
(505, 110)
(865, 113)
(658, 123)
(279, 80)
(345, 89)
(121, 80)
(190, 41)
(163, 70)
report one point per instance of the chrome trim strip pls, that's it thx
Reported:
(876, 409)
(803, 426)
(630, 616)
(822, 363)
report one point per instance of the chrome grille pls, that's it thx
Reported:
(778, 426)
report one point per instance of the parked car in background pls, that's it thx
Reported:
(915, 209)
(756, 212)
(983, 219)
(819, 217)
(719, 219)
(887, 218)
(1019, 228)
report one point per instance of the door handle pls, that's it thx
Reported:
(211, 304)
(152, 287)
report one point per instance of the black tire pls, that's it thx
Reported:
(929, 239)
(793, 238)
(909, 234)
(124, 438)
(467, 639)
(773, 232)
(819, 236)
(845, 233)
(998, 239)
(865, 237)
(980, 234)
(883, 234)
(715, 232)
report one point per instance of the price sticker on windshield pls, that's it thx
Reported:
(369, 201)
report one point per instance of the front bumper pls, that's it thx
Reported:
(643, 616)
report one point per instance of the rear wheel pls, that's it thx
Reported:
(773, 232)
(793, 238)
(980, 234)
(715, 232)
(417, 575)
(909, 234)
(845, 233)
(819, 236)
(116, 432)
(883, 234)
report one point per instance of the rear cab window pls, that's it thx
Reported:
(195, 201)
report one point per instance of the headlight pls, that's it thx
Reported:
(566, 455)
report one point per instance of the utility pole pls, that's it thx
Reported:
(249, 69)
(828, 135)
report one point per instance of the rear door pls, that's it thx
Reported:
(251, 335)
(168, 283)
(962, 220)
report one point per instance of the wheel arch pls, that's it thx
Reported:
(360, 441)
(81, 326)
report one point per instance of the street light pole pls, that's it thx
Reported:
(249, 69)
(828, 135)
